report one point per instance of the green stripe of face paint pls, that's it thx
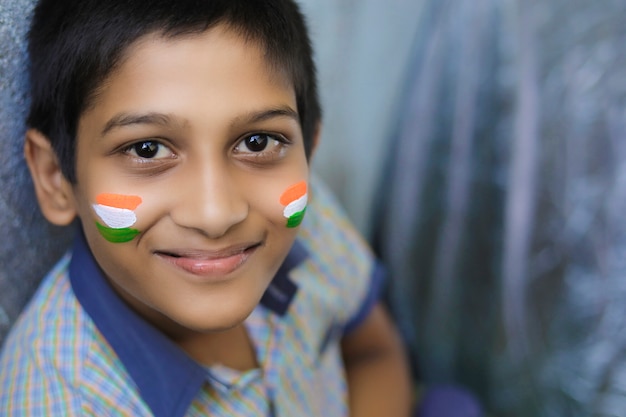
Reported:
(296, 219)
(117, 235)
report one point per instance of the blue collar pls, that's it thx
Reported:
(168, 380)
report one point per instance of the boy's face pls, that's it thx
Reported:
(192, 141)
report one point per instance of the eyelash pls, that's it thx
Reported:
(159, 148)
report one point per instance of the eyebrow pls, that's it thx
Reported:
(129, 119)
(161, 119)
(263, 115)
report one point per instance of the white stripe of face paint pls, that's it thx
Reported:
(114, 217)
(295, 206)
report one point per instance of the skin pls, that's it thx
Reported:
(212, 230)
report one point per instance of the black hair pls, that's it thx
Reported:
(75, 44)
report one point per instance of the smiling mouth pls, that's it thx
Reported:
(216, 264)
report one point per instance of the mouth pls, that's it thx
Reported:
(210, 263)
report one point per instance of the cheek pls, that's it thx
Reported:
(282, 203)
(116, 217)
(294, 201)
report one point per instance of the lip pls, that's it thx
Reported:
(209, 264)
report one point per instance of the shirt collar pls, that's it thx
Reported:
(168, 380)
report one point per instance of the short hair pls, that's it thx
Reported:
(75, 44)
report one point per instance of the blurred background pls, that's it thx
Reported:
(480, 147)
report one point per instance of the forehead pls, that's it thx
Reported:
(213, 44)
(162, 72)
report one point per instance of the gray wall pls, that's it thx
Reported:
(28, 246)
(363, 52)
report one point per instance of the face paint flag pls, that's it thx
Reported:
(117, 214)
(294, 199)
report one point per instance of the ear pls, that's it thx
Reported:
(54, 192)
(316, 138)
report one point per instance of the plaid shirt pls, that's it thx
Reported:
(77, 349)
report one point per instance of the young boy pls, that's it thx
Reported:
(179, 134)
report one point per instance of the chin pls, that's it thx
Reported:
(213, 322)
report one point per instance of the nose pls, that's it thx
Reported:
(209, 200)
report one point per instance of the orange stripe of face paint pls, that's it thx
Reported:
(293, 193)
(121, 201)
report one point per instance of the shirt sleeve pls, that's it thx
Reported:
(372, 297)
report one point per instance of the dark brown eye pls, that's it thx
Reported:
(256, 143)
(147, 149)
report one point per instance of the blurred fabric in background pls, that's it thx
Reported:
(502, 208)
(480, 145)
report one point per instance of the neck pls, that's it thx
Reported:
(232, 348)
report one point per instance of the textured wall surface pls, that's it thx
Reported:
(28, 246)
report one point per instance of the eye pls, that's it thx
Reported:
(260, 143)
(256, 143)
(149, 149)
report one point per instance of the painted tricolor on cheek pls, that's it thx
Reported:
(118, 215)
(294, 199)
